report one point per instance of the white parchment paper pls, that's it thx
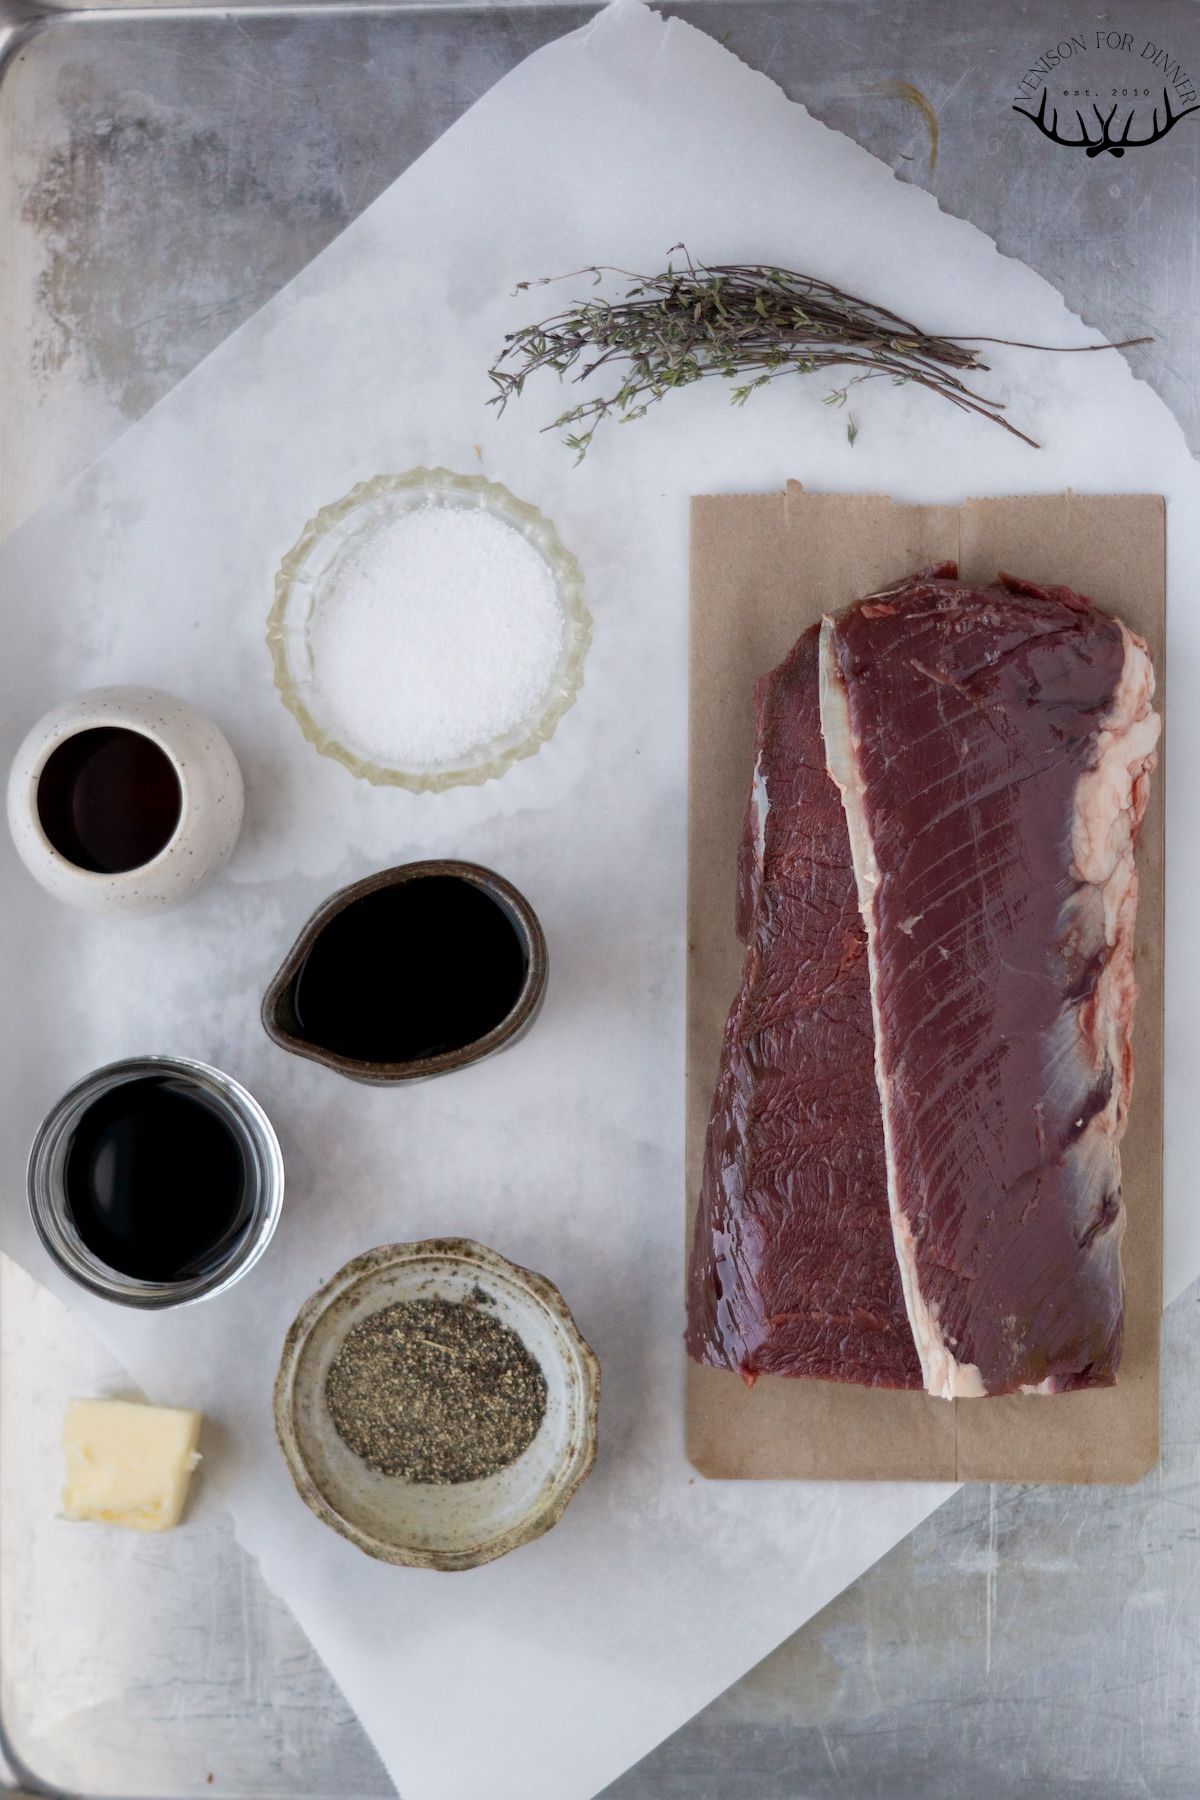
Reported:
(543, 1676)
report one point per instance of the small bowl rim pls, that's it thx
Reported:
(387, 1074)
(502, 503)
(480, 1259)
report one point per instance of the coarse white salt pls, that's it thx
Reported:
(442, 631)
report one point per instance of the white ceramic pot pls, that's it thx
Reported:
(210, 812)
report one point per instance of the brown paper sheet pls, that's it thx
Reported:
(764, 567)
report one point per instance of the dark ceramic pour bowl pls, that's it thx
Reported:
(279, 1004)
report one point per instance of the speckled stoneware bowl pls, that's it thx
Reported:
(468, 1523)
(309, 573)
(281, 1021)
(210, 793)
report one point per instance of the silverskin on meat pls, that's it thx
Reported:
(912, 1167)
(994, 748)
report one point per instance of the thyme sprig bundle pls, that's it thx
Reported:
(748, 323)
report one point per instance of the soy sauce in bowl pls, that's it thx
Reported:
(109, 799)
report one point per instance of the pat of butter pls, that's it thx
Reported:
(128, 1464)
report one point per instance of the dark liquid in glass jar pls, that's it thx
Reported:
(109, 799)
(411, 971)
(156, 1179)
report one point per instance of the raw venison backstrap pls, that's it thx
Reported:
(993, 747)
(793, 1270)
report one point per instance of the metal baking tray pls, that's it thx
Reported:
(163, 171)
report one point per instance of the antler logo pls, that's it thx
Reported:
(1104, 141)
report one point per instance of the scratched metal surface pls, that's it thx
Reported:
(162, 172)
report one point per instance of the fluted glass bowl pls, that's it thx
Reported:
(308, 575)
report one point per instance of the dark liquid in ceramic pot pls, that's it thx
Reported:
(425, 967)
(156, 1179)
(109, 800)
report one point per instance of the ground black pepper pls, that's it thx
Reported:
(435, 1391)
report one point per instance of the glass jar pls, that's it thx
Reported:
(262, 1164)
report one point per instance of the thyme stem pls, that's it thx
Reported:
(748, 323)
